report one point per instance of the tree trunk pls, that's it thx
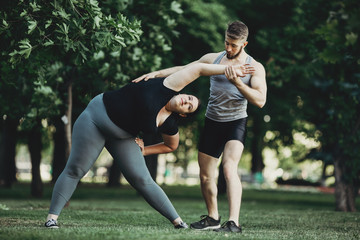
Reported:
(221, 181)
(323, 174)
(344, 192)
(114, 175)
(7, 152)
(59, 155)
(62, 138)
(152, 160)
(35, 147)
(68, 121)
(257, 161)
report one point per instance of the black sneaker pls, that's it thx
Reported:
(51, 223)
(229, 226)
(181, 225)
(206, 223)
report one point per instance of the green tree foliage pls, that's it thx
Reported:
(50, 39)
(46, 46)
(201, 30)
(158, 22)
(43, 47)
(337, 81)
(316, 61)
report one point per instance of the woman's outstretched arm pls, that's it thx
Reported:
(180, 79)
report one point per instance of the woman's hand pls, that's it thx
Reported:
(146, 77)
(233, 73)
(242, 70)
(140, 142)
(247, 69)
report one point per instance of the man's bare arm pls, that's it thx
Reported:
(256, 92)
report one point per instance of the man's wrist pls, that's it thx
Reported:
(239, 83)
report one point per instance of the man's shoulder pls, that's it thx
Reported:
(256, 63)
(259, 68)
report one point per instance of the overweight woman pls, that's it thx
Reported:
(113, 119)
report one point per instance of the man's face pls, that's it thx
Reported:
(233, 47)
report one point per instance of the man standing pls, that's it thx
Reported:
(225, 124)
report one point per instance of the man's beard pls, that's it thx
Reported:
(234, 56)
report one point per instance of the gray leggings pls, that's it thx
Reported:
(91, 132)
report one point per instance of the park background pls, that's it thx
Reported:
(57, 55)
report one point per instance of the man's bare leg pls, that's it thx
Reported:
(208, 167)
(232, 154)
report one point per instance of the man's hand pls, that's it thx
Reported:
(140, 142)
(233, 74)
(146, 77)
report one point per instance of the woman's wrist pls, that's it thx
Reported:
(144, 151)
(158, 73)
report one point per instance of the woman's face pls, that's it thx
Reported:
(183, 103)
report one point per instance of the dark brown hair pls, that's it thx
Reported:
(237, 30)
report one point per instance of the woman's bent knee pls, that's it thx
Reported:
(143, 182)
(75, 172)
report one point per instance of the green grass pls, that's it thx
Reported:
(97, 212)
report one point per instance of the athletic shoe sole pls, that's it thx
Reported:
(206, 228)
(53, 227)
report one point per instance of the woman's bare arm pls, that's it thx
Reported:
(207, 58)
(170, 143)
(180, 79)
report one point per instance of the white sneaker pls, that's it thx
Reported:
(51, 223)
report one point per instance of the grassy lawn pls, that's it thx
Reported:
(97, 212)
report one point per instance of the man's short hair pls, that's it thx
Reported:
(237, 30)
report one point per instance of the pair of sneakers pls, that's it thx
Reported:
(208, 223)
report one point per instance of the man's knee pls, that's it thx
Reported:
(230, 171)
(205, 178)
(208, 166)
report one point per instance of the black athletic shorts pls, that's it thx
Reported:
(216, 134)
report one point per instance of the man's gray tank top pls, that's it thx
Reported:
(226, 103)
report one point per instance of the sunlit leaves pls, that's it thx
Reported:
(40, 34)
(35, 7)
(79, 29)
(25, 50)
(97, 21)
(176, 7)
(32, 26)
(4, 25)
(351, 39)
